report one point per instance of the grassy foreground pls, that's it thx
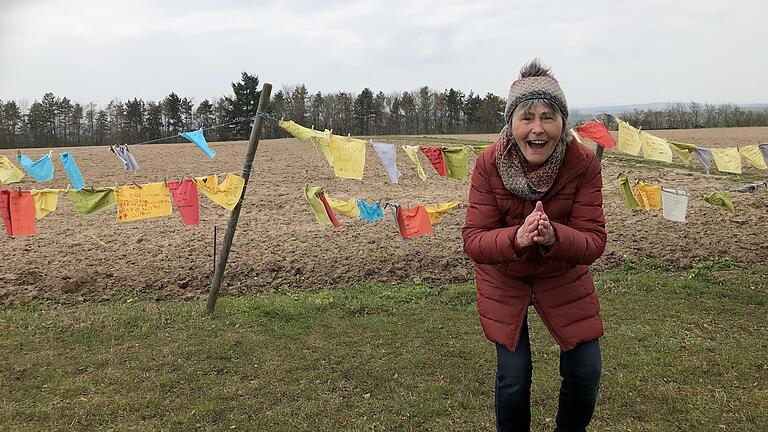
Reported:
(683, 351)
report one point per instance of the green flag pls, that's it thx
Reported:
(722, 199)
(626, 191)
(90, 201)
(456, 160)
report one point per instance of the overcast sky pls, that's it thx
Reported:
(606, 52)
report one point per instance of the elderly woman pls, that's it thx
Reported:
(534, 225)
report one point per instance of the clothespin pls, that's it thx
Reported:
(67, 189)
(282, 118)
(136, 184)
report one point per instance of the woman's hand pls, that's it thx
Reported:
(545, 234)
(528, 230)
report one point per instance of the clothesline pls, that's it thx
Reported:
(203, 129)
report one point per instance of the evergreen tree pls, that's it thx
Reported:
(245, 102)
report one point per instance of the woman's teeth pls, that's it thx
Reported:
(537, 144)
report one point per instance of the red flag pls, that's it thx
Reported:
(597, 132)
(413, 222)
(185, 197)
(436, 158)
(5, 210)
(329, 210)
(22, 212)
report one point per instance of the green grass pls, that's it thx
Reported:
(684, 350)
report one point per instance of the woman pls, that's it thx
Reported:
(534, 225)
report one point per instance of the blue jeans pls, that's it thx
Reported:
(579, 369)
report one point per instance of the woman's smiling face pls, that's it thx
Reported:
(536, 128)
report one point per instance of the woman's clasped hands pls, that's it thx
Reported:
(536, 229)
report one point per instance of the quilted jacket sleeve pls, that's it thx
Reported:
(486, 241)
(582, 239)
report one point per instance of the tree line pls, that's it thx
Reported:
(57, 121)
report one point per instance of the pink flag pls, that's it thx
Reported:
(185, 197)
(436, 158)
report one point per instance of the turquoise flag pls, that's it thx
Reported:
(197, 138)
(68, 162)
(41, 169)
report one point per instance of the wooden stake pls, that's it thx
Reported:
(253, 144)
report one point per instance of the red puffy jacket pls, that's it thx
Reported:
(556, 280)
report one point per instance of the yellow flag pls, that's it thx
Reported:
(323, 140)
(413, 154)
(629, 139)
(9, 173)
(45, 201)
(142, 202)
(347, 208)
(682, 150)
(649, 195)
(727, 159)
(437, 211)
(655, 148)
(348, 156)
(297, 130)
(318, 209)
(753, 154)
(226, 194)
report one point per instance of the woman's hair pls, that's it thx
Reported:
(534, 68)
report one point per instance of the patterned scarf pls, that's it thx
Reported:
(519, 177)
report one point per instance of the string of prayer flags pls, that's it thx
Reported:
(649, 195)
(682, 150)
(413, 154)
(41, 170)
(437, 211)
(704, 155)
(727, 160)
(125, 156)
(597, 132)
(457, 162)
(413, 222)
(348, 156)
(753, 155)
(185, 197)
(226, 194)
(73, 172)
(198, 139)
(435, 157)
(329, 210)
(674, 204)
(627, 194)
(629, 139)
(318, 209)
(720, 198)
(45, 200)
(479, 148)
(370, 212)
(9, 173)
(90, 201)
(388, 156)
(655, 148)
(137, 202)
(347, 208)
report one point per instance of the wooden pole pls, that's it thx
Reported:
(253, 144)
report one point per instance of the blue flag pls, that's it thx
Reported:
(68, 161)
(197, 138)
(40, 170)
(368, 212)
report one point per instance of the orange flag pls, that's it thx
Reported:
(18, 211)
(414, 222)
